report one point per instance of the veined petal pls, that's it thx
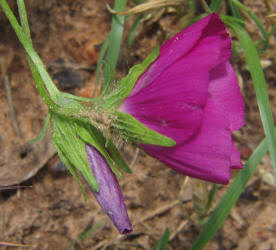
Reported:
(208, 155)
(190, 93)
(211, 153)
(109, 196)
(225, 89)
(173, 103)
(183, 43)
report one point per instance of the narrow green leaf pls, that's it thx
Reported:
(272, 31)
(127, 83)
(262, 43)
(84, 235)
(163, 241)
(108, 86)
(230, 198)
(133, 30)
(211, 196)
(256, 20)
(215, 5)
(115, 36)
(24, 18)
(132, 130)
(43, 130)
(257, 74)
(231, 19)
(234, 9)
(102, 54)
(139, 1)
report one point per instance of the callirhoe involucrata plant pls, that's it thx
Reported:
(181, 105)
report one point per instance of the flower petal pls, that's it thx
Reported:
(211, 153)
(225, 89)
(208, 155)
(183, 43)
(175, 100)
(109, 196)
(235, 158)
(190, 93)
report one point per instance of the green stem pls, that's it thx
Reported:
(39, 83)
(25, 41)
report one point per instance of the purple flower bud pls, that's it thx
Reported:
(109, 196)
(190, 93)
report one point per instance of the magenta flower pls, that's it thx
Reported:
(109, 196)
(190, 93)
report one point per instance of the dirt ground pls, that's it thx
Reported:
(51, 213)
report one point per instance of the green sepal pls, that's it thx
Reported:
(126, 84)
(43, 131)
(133, 130)
(93, 136)
(66, 138)
(69, 106)
(71, 169)
(116, 156)
(126, 125)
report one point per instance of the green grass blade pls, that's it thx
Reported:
(272, 31)
(24, 18)
(83, 236)
(211, 196)
(102, 54)
(256, 20)
(133, 30)
(115, 36)
(230, 198)
(257, 74)
(163, 241)
(215, 5)
(234, 9)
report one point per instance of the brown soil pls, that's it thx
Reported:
(52, 213)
